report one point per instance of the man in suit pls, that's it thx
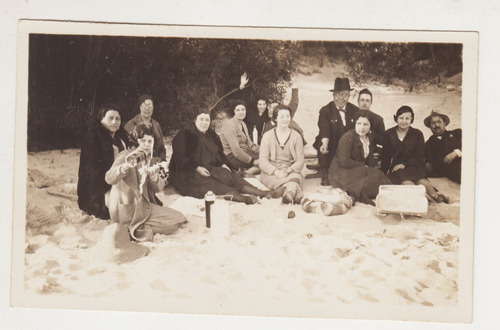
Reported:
(443, 150)
(335, 119)
(377, 127)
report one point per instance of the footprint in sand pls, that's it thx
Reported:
(51, 285)
(124, 285)
(95, 271)
(49, 264)
(282, 289)
(206, 279)
(370, 273)
(342, 253)
(405, 295)
(314, 252)
(74, 267)
(434, 265)
(159, 285)
(367, 296)
(309, 283)
(343, 300)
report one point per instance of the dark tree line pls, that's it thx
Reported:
(71, 75)
(414, 63)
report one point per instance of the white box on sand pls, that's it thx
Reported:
(408, 200)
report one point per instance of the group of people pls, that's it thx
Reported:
(121, 168)
(349, 136)
(120, 172)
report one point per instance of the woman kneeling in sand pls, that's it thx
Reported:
(352, 168)
(199, 165)
(134, 183)
(282, 158)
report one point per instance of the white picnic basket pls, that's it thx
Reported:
(402, 199)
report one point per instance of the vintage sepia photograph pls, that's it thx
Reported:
(292, 172)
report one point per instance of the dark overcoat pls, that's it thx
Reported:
(436, 150)
(96, 158)
(331, 126)
(187, 156)
(377, 127)
(410, 152)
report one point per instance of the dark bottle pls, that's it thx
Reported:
(209, 201)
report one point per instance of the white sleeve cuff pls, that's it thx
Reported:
(458, 152)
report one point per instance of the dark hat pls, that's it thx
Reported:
(365, 91)
(427, 121)
(341, 84)
(143, 98)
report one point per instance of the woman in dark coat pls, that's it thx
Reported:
(353, 166)
(403, 154)
(198, 164)
(104, 140)
(256, 118)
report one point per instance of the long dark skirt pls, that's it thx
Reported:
(373, 180)
(413, 173)
(357, 181)
(197, 185)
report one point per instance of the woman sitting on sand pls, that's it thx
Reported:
(282, 158)
(239, 149)
(352, 168)
(403, 154)
(105, 139)
(134, 183)
(198, 164)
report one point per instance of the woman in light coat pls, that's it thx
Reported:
(237, 145)
(134, 183)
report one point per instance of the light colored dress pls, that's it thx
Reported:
(273, 156)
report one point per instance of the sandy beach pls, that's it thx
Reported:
(307, 266)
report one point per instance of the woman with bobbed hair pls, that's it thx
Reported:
(256, 118)
(282, 158)
(403, 154)
(103, 141)
(353, 166)
(135, 182)
(237, 145)
(145, 104)
(198, 164)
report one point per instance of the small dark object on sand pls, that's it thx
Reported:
(291, 215)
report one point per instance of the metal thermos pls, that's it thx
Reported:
(209, 201)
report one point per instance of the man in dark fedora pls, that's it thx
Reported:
(443, 150)
(335, 119)
(377, 127)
